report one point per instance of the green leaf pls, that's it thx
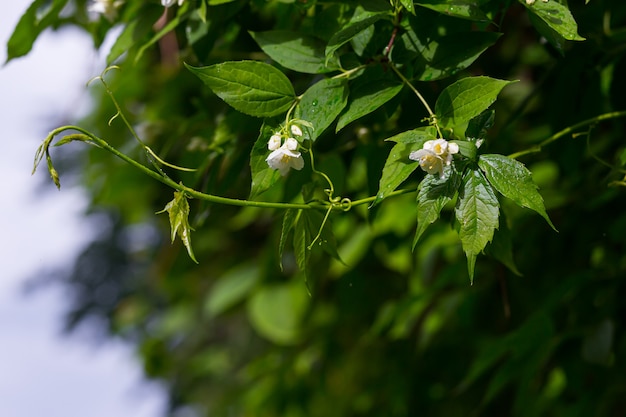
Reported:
(231, 288)
(478, 126)
(301, 239)
(501, 247)
(465, 9)
(322, 230)
(321, 104)
(133, 33)
(295, 51)
(514, 181)
(408, 5)
(557, 16)
(276, 312)
(434, 193)
(467, 98)
(178, 210)
(263, 177)
(40, 15)
(366, 97)
(477, 213)
(398, 167)
(251, 87)
(289, 221)
(446, 55)
(350, 31)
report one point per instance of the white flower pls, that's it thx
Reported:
(107, 8)
(170, 3)
(284, 157)
(274, 142)
(434, 155)
(295, 130)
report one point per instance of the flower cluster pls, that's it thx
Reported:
(285, 154)
(434, 155)
(170, 3)
(107, 8)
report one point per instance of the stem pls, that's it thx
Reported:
(431, 114)
(566, 131)
(91, 138)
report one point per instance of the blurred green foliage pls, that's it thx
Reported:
(384, 330)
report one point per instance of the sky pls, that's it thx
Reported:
(42, 371)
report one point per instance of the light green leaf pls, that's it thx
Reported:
(251, 87)
(40, 15)
(477, 213)
(408, 5)
(350, 31)
(367, 97)
(465, 9)
(434, 193)
(276, 311)
(467, 98)
(263, 177)
(295, 51)
(231, 288)
(557, 16)
(133, 33)
(178, 211)
(514, 181)
(321, 104)
(398, 166)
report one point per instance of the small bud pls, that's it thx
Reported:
(296, 131)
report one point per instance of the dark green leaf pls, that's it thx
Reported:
(449, 54)
(321, 104)
(178, 211)
(295, 51)
(252, 87)
(478, 126)
(289, 220)
(514, 181)
(501, 247)
(467, 98)
(477, 213)
(366, 98)
(350, 31)
(465, 9)
(434, 193)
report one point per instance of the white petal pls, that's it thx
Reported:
(296, 131)
(168, 3)
(428, 145)
(297, 163)
(291, 144)
(274, 142)
(453, 148)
